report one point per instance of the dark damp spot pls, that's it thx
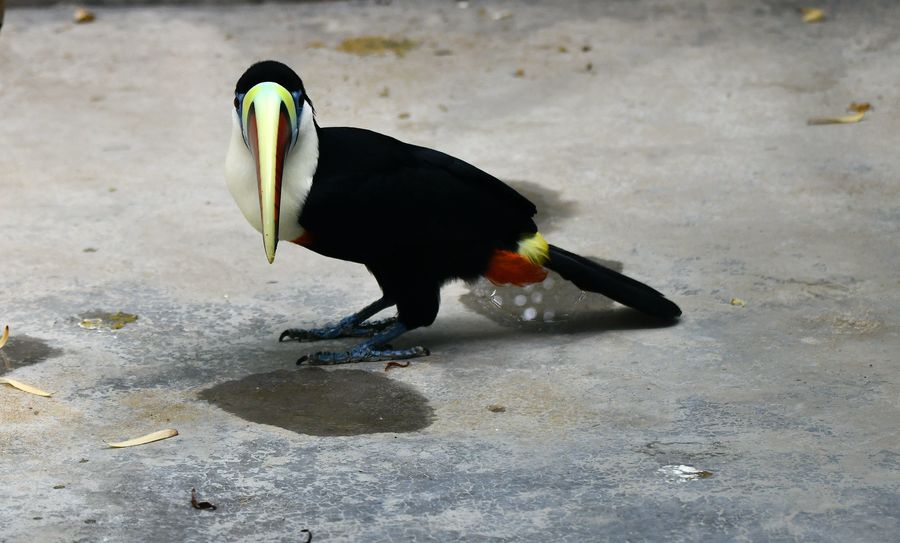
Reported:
(552, 210)
(24, 350)
(541, 306)
(322, 402)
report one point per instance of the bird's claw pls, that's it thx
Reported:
(361, 354)
(302, 336)
(342, 329)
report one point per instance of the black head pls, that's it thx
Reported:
(269, 70)
(274, 72)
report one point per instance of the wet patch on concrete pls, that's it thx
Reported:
(536, 306)
(24, 351)
(320, 402)
(552, 209)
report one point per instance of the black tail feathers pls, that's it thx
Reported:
(593, 277)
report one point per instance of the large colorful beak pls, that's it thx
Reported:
(269, 116)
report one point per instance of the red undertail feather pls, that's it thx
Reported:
(305, 239)
(509, 268)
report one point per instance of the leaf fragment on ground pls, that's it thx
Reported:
(738, 302)
(113, 321)
(24, 387)
(812, 15)
(83, 15)
(198, 504)
(143, 440)
(390, 365)
(5, 336)
(845, 119)
(859, 107)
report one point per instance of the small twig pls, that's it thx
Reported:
(390, 365)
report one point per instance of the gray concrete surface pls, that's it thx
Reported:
(682, 153)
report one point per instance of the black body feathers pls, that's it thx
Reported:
(418, 218)
(388, 200)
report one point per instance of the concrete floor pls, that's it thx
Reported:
(670, 138)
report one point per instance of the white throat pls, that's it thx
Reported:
(299, 167)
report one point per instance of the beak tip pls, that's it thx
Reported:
(270, 247)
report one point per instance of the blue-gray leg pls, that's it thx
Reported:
(372, 350)
(352, 326)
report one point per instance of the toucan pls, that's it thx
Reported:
(415, 217)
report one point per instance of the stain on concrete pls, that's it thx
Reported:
(552, 209)
(376, 45)
(24, 351)
(863, 323)
(536, 306)
(322, 402)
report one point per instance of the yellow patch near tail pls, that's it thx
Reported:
(535, 249)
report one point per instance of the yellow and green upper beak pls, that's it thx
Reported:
(269, 118)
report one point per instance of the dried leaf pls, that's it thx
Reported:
(83, 15)
(738, 302)
(113, 321)
(859, 107)
(5, 337)
(390, 365)
(143, 440)
(23, 387)
(846, 119)
(812, 15)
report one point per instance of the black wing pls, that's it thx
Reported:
(375, 198)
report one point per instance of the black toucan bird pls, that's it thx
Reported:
(415, 217)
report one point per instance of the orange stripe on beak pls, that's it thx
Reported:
(269, 131)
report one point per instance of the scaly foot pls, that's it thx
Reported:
(372, 350)
(341, 329)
